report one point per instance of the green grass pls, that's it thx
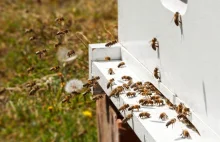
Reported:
(42, 116)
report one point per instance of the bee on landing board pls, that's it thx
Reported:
(171, 122)
(109, 44)
(129, 116)
(110, 83)
(154, 44)
(107, 58)
(121, 64)
(163, 116)
(124, 107)
(131, 94)
(185, 134)
(110, 71)
(144, 115)
(56, 68)
(159, 102)
(147, 102)
(134, 107)
(126, 78)
(181, 116)
(70, 53)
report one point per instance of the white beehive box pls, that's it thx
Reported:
(189, 65)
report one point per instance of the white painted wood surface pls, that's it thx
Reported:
(148, 130)
(190, 66)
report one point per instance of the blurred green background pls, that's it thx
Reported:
(28, 26)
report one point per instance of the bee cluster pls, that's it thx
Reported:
(150, 97)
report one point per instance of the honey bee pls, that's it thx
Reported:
(110, 83)
(59, 19)
(125, 86)
(179, 108)
(154, 43)
(148, 102)
(129, 116)
(177, 19)
(181, 116)
(185, 134)
(66, 99)
(57, 44)
(113, 92)
(146, 92)
(32, 38)
(31, 84)
(124, 107)
(129, 82)
(107, 58)
(136, 84)
(156, 73)
(28, 31)
(41, 52)
(121, 64)
(34, 90)
(70, 53)
(144, 115)
(126, 78)
(159, 102)
(155, 97)
(148, 83)
(111, 43)
(134, 107)
(171, 106)
(97, 97)
(119, 90)
(131, 94)
(142, 100)
(30, 69)
(62, 32)
(88, 84)
(86, 92)
(172, 121)
(163, 116)
(186, 111)
(110, 71)
(56, 68)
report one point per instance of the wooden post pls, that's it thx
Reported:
(110, 128)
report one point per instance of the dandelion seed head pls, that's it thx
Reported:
(73, 85)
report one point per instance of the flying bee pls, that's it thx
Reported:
(172, 121)
(56, 68)
(124, 107)
(97, 97)
(129, 116)
(148, 102)
(41, 52)
(62, 32)
(111, 43)
(110, 71)
(144, 115)
(66, 99)
(57, 44)
(134, 107)
(86, 92)
(107, 58)
(156, 73)
(110, 83)
(126, 78)
(28, 31)
(32, 38)
(88, 84)
(70, 53)
(34, 90)
(154, 43)
(121, 64)
(185, 134)
(59, 19)
(31, 84)
(30, 69)
(159, 102)
(163, 116)
(131, 94)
